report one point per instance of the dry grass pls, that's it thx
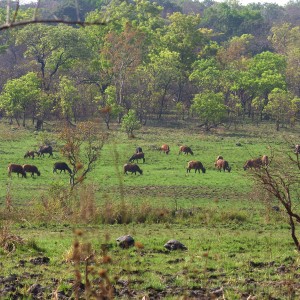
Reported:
(8, 240)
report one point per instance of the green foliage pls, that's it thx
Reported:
(207, 74)
(68, 96)
(53, 48)
(282, 107)
(209, 107)
(20, 94)
(183, 36)
(130, 123)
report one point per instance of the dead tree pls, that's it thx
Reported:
(281, 179)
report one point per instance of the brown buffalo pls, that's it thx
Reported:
(222, 164)
(165, 148)
(185, 150)
(137, 156)
(31, 169)
(133, 168)
(253, 164)
(29, 154)
(14, 168)
(197, 165)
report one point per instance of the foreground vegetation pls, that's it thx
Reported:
(57, 243)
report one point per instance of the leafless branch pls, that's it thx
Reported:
(12, 23)
(50, 21)
(282, 183)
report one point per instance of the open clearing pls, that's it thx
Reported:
(239, 244)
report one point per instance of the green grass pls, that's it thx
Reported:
(235, 240)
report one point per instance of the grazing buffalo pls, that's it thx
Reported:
(138, 150)
(297, 149)
(253, 164)
(222, 164)
(197, 165)
(133, 168)
(29, 154)
(31, 169)
(165, 148)
(137, 156)
(45, 149)
(62, 166)
(185, 150)
(14, 168)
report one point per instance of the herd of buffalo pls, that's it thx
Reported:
(220, 163)
(23, 169)
(132, 167)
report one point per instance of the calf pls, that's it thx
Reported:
(197, 165)
(222, 164)
(14, 168)
(137, 156)
(29, 154)
(31, 169)
(133, 168)
(165, 148)
(185, 150)
(62, 166)
(45, 149)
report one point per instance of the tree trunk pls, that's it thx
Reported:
(24, 119)
(277, 125)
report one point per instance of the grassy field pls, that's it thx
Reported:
(239, 247)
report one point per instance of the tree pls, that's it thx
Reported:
(52, 48)
(207, 75)
(266, 71)
(159, 75)
(82, 147)
(19, 96)
(130, 123)
(282, 106)
(210, 108)
(281, 181)
(68, 96)
(110, 108)
(122, 53)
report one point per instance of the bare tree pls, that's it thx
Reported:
(82, 146)
(281, 179)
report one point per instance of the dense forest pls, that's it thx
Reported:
(218, 63)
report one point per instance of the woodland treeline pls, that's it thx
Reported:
(220, 63)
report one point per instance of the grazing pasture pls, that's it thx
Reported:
(238, 244)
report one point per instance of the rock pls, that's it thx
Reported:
(125, 241)
(174, 245)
